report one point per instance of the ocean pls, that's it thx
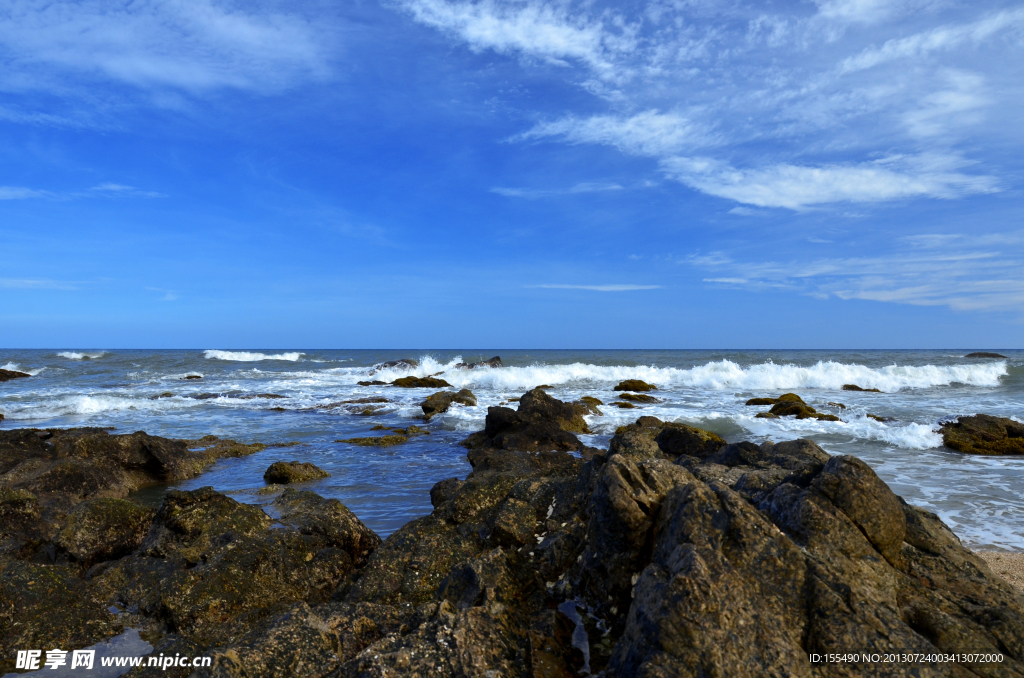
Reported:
(980, 498)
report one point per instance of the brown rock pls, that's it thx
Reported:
(984, 434)
(635, 385)
(285, 472)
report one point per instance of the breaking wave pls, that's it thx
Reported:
(14, 367)
(249, 357)
(719, 375)
(75, 355)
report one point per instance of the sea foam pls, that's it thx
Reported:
(75, 355)
(248, 357)
(717, 375)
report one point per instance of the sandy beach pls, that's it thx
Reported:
(1009, 566)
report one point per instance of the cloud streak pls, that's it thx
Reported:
(599, 288)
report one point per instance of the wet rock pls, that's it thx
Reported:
(376, 441)
(884, 420)
(192, 377)
(441, 401)
(800, 411)
(784, 398)
(635, 385)
(7, 375)
(158, 396)
(542, 423)
(854, 387)
(589, 405)
(839, 405)
(984, 434)
(285, 472)
(493, 362)
(985, 354)
(420, 382)
(639, 398)
(258, 396)
(103, 529)
(372, 383)
(402, 363)
(624, 406)
(672, 439)
(411, 431)
(444, 491)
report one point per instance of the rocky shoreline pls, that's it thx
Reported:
(672, 553)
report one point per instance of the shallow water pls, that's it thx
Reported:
(981, 498)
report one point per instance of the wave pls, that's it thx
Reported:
(248, 357)
(75, 355)
(719, 375)
(96, 405)
(14, 367)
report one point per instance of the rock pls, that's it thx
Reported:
(800, 410)
(784, 398)
(639, 398)
(985, 354)
(984, 434)
(624, 406)
(493, 362)
(376, 441)
(103, 529)
(671, 439)
(285, 472)
(420, 382)
(265, 396)
(542, 423)
(761, 401)
(854, 387)
(402, 363)
(165, 394)
(411, 431)
(192, 377)
(7, 375)
(440, 402)
(635, 385)
(884, 420)
(839, 405)
(372, 383)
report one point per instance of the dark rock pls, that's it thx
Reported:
(440, 402)
(984, 434)
(165, 394)
(839, 405)
(884, 420)
(493, 362)
(7, 375)
(411, 431)
(635, 385)
(854, 387)
(761, 401)
(264, 396)
(420, 382)
(670, 439)
(403, 363)
(624, 406)
(191, 377)
(542, 423)
(784, 398)
(639, 398)
(372, 383)
(444, 491)
(376, 441)
(103, 529)
(985, 354)
(285, 472)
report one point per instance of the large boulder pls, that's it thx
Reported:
(542, 423)
(984, 434)
(104, 529)
(440, 402)
(7, 375)
(634, 385)
(420, 382)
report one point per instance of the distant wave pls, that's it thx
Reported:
(96, 405)
(248, 357)
(719, 375)
(74, 355)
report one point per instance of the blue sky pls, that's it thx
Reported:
(444, 173)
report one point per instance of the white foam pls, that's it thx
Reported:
(248, 357)
(74, 355)
(96, 404)
(14, 367)
(719, 375)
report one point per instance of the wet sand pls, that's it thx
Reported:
(1009, 566)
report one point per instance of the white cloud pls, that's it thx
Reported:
(190, 45)
(121, 190)
(531, 193)
(955, 270)
(20, 193)
(868, 11)
(532, 28)
(650, 133)
(35, 284)
(600, 288)
(796, 187)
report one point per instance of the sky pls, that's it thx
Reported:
(527, 174)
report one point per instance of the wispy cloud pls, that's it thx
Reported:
(20, 193)
(953, 270)
(192, 46)
(532, 193)
(599, 288)
(36, 284)
(121, 190)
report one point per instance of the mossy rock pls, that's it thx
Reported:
(761, 401)
(854, 387)
(766, 415)
(420, 382)
(376, 441)
(639, 398)
(839, 405)
(984, 434)
(587, 405)
(590, 400)
(286, 472)
(624, 406)
(635, 385)
(104, 529)
(884, 420)
(372, 383)
(165, 394)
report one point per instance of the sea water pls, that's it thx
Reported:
(981, 498)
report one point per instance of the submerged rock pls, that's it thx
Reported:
(984, 434)
(402, 363)
(420, 382)
(985, 354)
(854, 387)
(376, 441)
(441, 401)
(639, 398)
(635, 385)
(286, 472)
(372, 383)
(789, 405)
(493, 362)
(7, 375)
